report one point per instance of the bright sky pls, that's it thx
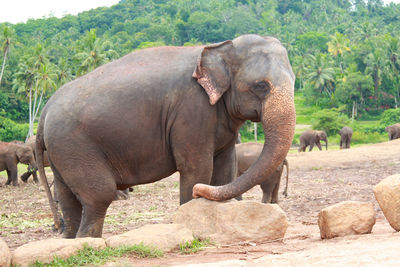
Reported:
(15, 11)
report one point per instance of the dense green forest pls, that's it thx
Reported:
(345, 53)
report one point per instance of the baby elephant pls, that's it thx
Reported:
(393, 131)
(311, 138)
(246, 155)
(345, 137)
(10, 155)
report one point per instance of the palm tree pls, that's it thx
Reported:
(394, 73)
(376, 62)
(95, 52)
(337, 46)
(6, 42)
(63, 72)
(320, 73)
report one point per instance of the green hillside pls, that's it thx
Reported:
(345, 54)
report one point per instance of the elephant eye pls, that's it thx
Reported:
(262, 85)
(261, 89)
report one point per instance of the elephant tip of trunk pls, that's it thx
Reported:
(203, 190)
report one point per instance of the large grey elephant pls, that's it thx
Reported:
(311, 138)
(345, 137)
(393, 131)
(10, 155)
(246, 155)
(150, 113)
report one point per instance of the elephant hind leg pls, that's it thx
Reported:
(70, 206)
(86, 186)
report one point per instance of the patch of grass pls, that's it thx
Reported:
(316, 168)
(20, 221)
(90, 256)
(193, 246)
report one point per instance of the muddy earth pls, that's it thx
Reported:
(317, 179)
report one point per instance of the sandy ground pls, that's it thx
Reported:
(317, 179)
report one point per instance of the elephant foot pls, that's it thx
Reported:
(24, 177)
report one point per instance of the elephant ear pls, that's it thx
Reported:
(317, 136)
(212, 71)
(19, 152)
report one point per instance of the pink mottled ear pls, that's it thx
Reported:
(212, 71)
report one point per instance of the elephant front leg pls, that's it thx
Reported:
(224, 170)
(319, 145)
(12, 177)
(311, 147)
(192, 174)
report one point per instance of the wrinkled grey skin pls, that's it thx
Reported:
(311, 138)
(10, 155)
(155, 111)
(393, 131)
(246, 155)
(121, 195)
(345, 137)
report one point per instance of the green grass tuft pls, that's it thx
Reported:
(193, 246)
(91, 256)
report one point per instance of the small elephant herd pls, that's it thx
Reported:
(312, 137)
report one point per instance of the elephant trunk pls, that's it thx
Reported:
(32, 166)
(278, 119)
(326, 143)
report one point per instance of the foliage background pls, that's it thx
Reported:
(345, 53)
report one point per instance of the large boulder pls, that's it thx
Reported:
(5, 255)
(162, 236)
(346, 218)
(387, 193)
(46, 250)
(233, 221)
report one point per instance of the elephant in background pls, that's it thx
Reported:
(311, 138)
(393, 131)
(246, 155)
(31, 142)
(10, 155)
(345, 137)
(160, 110)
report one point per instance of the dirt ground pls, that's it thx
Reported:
(317, 179)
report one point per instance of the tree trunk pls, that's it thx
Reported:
(30, 115)
(4, 64)
(255, 132)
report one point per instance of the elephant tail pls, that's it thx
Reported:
(40, 148)
(286, 163)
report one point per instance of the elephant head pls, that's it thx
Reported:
(321, 135)
(24, 155)
(253, 78)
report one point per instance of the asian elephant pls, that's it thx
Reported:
(246, 155)
(155, 111)
(393, 131)
(345, 137)
(10, 155)
(32, 143)
(311, 138)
